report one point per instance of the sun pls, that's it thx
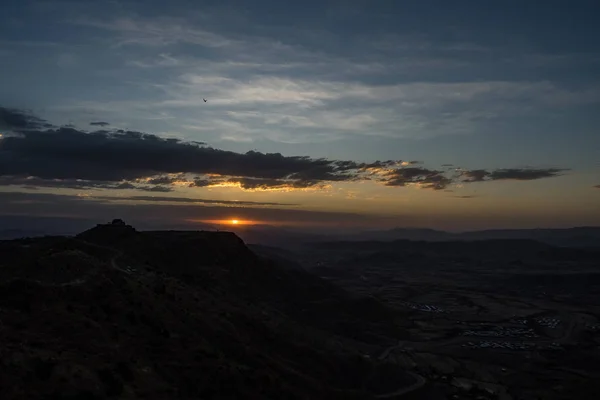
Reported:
(235, 221)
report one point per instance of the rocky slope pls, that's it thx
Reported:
(117, 313)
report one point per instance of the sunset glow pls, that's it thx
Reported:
(399, 124)
(230, 222)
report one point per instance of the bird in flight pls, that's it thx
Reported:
(204, 100)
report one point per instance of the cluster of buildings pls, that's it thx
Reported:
(423, 307)
(499, 345)
(548, 322)
(593, 327)
(520, 321)
(502, 331)
(510, 345)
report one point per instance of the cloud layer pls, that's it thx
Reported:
(34, 153)
(517, 174)
(77, 157)
(300, 84)
(149, 208)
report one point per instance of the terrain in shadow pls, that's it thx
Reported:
(113, 312)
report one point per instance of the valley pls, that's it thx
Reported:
(516, 320)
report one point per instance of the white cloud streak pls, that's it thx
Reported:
(261, 87)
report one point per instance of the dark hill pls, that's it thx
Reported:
(117, 313)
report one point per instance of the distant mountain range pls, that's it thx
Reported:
(288, 237)
(571, 237)
(568, 237)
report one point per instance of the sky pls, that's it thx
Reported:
(369, 114)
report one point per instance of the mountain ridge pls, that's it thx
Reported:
(115, 312)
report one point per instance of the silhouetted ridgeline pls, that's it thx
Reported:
(171, 247)
(114, 312)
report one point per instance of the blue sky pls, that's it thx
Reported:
(479, 85)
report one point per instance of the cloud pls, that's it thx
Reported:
(423, 177)
(20, 119)
(597, 186)
(519, 174)
(150, 208)
(265, 184)
(295, 84)
(524, 174)
(32, 182)
(36, 182)
(157, 32)
(293, 108)
(99, 123)
(199, 182)
(192, 200)
(165, 179)
(300, 85)
(20, 197)
(475, 175)
(160, 189)
(125, 185)
(118, 155)
(35, 153)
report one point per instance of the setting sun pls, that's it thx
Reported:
(228, 222)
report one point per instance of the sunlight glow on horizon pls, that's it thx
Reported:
(230, 221)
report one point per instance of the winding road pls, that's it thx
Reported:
(418, 384)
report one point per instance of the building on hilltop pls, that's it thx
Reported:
(108, 233)
(115, 223)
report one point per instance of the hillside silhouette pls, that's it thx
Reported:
(118, 313)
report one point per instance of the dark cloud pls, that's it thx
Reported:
(35, 183)
(36, 154)
(426, 178)
(147, 211)
(12, 199)
(148, 207)
(254, 183)
(67, 153)
(199, 182)
(519, 174)
(476, 175)
(597, 186)
(125, 185)
(99, 123)
(257, 183)
(193, 200)
(19, 119)
(165, 180)
(160, 189)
